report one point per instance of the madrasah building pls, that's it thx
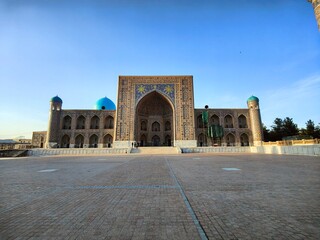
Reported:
(151, 111)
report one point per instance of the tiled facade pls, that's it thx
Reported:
(151, 111)
(235, 122)
(171, 102)
(83, 129)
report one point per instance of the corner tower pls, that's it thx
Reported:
(316, 7)
(54, 122)
(255, 120)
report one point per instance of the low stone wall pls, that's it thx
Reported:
(13, 153)
(77, 151)
(216, 150)
(308, 150)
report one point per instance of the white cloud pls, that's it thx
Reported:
(300, 101)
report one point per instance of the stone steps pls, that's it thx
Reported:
(156, 150)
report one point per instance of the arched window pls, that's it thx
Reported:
(168, 140)
(143, 140)
(65, 141)
(93, 141)
(215, 120)
(109, 123)
(199, 121)
(155, 140)
(66, 122)
(94, 124)
(155, 127)
(230, 139)
(244, 139)
(201, 139)
(167, 126)
(228, 121)
(107, 141)
(242, 121)
(81, 122)
(79, 141)
(41, 142)
(143, 125)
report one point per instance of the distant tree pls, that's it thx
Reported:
(283, 128)
(276, 132)
(278, 124)
(289, 127)
(311, 129)
(303, 132)
(266, 133)
(286, 127)
(317, 131)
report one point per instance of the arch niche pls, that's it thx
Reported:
(154, 108)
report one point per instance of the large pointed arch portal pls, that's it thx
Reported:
(155, 110)
(153, 113)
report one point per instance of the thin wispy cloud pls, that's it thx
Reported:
(298, 101)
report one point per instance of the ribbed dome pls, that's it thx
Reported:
(105, 104)
(56, 99)
(253, 98)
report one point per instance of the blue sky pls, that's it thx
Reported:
(233, 49)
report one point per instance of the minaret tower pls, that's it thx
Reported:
(255, 120)
(316, 7)
(54, 122)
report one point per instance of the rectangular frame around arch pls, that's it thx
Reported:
(179, 89)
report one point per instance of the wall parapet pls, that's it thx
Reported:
(292, 142)
(216, 150)
(77, 151)
(307, 150)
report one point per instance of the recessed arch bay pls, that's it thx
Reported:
(153, 112)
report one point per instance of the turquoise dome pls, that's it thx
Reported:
(56, 99)
(105, 104)
(253, 98)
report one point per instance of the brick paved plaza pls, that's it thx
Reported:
(160, 197)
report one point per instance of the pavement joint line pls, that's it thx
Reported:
(194, 217)
(127, 187)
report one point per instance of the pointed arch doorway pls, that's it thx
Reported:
(153, 115)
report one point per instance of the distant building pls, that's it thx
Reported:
(151, 111)
(39, 139)
(15, 144)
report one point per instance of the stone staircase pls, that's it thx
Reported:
(156, 150)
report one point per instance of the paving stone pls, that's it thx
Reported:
(141, 197)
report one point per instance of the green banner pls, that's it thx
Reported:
(215, 131)
(205, 117)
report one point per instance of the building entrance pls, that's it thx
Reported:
(154, 121)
